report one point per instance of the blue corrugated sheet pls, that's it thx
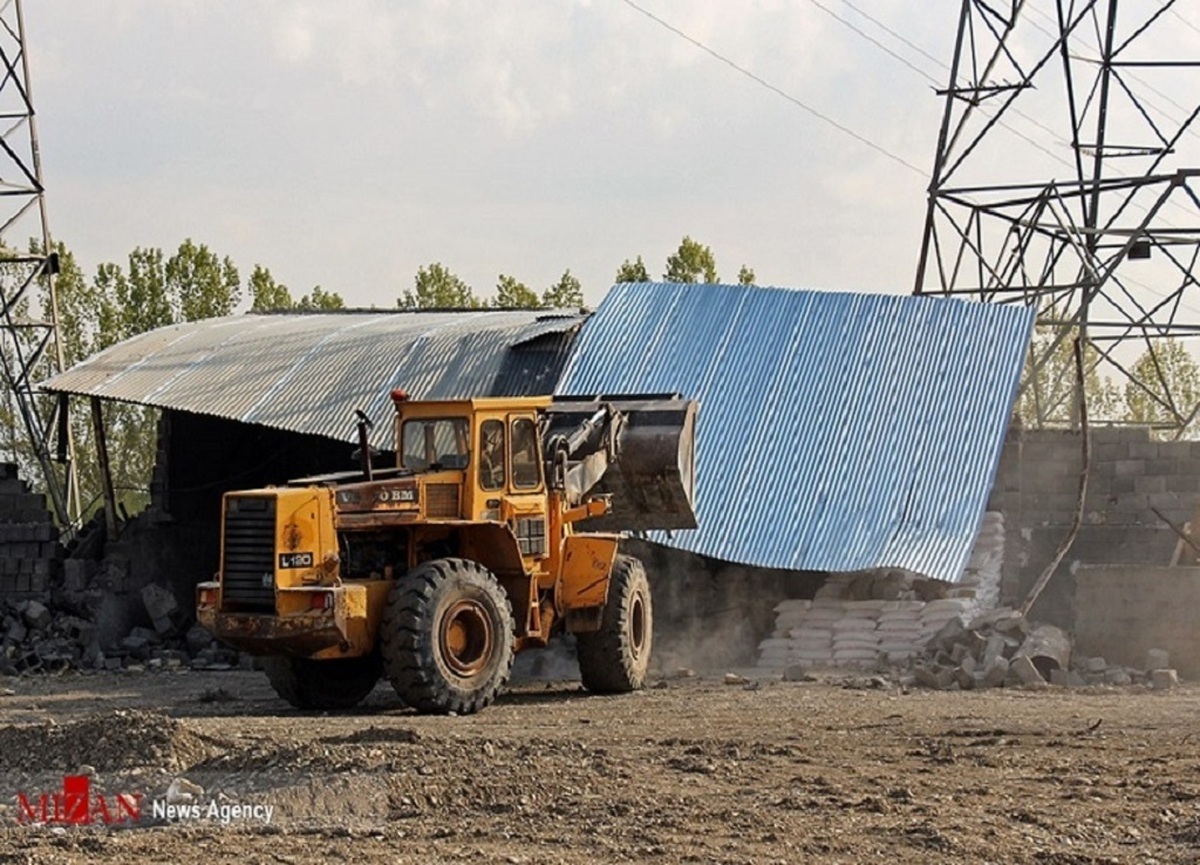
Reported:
(836, 431)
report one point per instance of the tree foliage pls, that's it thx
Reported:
(513, 294)
(567, 293)
(437, 287)
(1167, 387)
(692, 262)
(267, 295)
(1048, 382)
(632, 271)
(746, 275)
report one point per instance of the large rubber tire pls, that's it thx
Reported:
(614, 659)
(340, 683)
(447, 637)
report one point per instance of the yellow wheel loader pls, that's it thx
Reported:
(434, 572)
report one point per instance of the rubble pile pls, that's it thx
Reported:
(1002, 649)
(60, 633)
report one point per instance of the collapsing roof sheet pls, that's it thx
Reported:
(308, 372)
(836, 431)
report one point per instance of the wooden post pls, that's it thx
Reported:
(110, 496)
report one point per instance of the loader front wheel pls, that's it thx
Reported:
(447, 637)
(614, 659)
(340, 683)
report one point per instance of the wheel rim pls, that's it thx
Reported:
(466, 638)
(637, 625)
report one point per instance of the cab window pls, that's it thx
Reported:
(526, 473)
(437, 443)
(491, 455)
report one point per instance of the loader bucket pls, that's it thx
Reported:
(652, 482)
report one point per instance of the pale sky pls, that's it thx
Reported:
(348, 143)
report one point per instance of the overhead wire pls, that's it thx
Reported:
(824, 118)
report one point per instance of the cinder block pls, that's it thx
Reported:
(1143, 450)
(1150, 484)
(1128, 468)
(1109, 452)
(1164, 680)
(1165, 466)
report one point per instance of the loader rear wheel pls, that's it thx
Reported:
(340, 683)
(447, 637)
(614, 659)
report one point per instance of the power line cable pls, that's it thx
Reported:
(824, 118)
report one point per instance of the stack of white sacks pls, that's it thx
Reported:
(867, 618)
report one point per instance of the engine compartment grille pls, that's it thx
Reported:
(248, 568)
(441, 500)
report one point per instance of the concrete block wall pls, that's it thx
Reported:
(30, 554)
(1123, 611)
(1036, 489)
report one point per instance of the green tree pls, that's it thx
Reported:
(1047, 396)
(436, 287)
(1165, 388)
(633, 271)
(746, 275)
(513, 294)
(266, 294)
(142, 298)
(321, 299)
(567, 293)
(201, 284)
(692, 262)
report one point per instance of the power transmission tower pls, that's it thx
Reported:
(1064, 179)
(30, 349)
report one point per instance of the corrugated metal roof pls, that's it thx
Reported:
(308, 372)
(836, 431)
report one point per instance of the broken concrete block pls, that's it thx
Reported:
(197, 639)
(1026, 672)
(1095, 665)
(964, 678)
(948, 634)
(1059, 678)
(1117, 676)
(993, 648)
(36, 614)
(1158, 659)
(145, 634)
(796, 673)
(160, 603)
(938, 678)
(134, 643)
(969, 664)
(1164, 679)
(996, 672)
(16, 632)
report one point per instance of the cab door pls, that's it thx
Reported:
(524, 501)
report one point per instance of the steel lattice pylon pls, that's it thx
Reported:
(1103, 104)
(29, 346)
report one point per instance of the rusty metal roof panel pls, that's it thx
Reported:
(308, 372)
(836, 432)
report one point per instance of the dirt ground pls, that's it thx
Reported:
(841, 769)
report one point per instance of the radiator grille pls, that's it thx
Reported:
(248, 569)
(441, 500)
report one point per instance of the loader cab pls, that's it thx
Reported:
(494, 442)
